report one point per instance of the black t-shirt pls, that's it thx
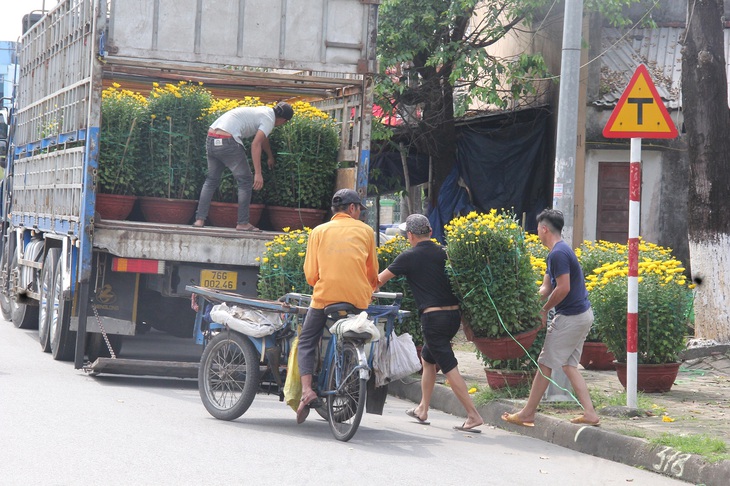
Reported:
(424, 266)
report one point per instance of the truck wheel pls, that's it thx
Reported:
(96, 346)
(45, 307)
(228, 376)
(5, 284)
(63, 340)
(24, 316)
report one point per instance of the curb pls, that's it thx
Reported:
(595, 441)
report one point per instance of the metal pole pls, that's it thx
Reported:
(632, 310)
(567, 137)
(564, 182)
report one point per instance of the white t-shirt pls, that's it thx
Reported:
(245, 121)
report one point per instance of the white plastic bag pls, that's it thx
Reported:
(359, 323)
(395, 359)
(250, 322)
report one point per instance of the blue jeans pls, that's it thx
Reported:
(226, 152)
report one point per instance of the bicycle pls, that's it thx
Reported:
(230, 370)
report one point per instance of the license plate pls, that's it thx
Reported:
(218, 279)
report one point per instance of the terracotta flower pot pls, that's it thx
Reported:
(502, 348)
(596, 356)
(295, 218)
(168, 211)
(114, 206)
(497, 379)
(226, 214)
(650, 378)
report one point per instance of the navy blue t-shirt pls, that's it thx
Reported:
(424, 266)
(560, 261)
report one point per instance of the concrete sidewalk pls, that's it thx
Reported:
(699, 403)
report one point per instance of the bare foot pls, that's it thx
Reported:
(473, 422)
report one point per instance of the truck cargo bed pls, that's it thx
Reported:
(227, 246)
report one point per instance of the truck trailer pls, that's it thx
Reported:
(86, 282)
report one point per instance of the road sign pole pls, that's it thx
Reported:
(632, 311)
(639, 113)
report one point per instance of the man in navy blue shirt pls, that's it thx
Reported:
(424, 266)
(563, 288)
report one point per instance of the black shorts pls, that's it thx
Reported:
(439, 328)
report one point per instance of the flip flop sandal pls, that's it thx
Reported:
(462, 428)
(412, 413)
(580, 420)
(514, 419)
(251, 229)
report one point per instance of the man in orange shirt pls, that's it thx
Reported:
(342, 266)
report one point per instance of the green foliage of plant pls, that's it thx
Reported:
(228, 188)
(664, 306)
(601, 398)
(306, 161)
(593, 254)
(119, 146)
(386, 254)
(712, 448)
(491, 273)
(281, 265)
(174, 135)
(486, 394)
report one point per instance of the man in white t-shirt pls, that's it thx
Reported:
(224, 147)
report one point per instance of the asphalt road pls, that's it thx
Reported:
(59, 426)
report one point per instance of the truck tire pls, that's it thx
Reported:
(228, 377)
(63, 340)
(96, 346)
(24, 316)
(5, 308)
(45, 305)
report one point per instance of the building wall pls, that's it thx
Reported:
(651, 193)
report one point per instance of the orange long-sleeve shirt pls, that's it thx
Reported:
(341, 262)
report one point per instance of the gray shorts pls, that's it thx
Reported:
(564, 340)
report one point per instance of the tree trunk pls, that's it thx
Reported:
(707, 123)
(438, 116)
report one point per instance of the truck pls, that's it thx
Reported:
(85, 282)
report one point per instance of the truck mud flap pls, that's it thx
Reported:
(138, 367)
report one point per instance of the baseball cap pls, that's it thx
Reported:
(343, 197)
(283, 110)
(416, 224)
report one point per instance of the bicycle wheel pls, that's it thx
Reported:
(228, 376)
(345, 407)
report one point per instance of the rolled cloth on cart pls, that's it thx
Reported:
(250, 322)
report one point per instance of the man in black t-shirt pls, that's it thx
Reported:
(424, 266)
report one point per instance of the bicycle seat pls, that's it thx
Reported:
(340, 310)
(357, 336)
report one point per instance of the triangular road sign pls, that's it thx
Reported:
(640, 112)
